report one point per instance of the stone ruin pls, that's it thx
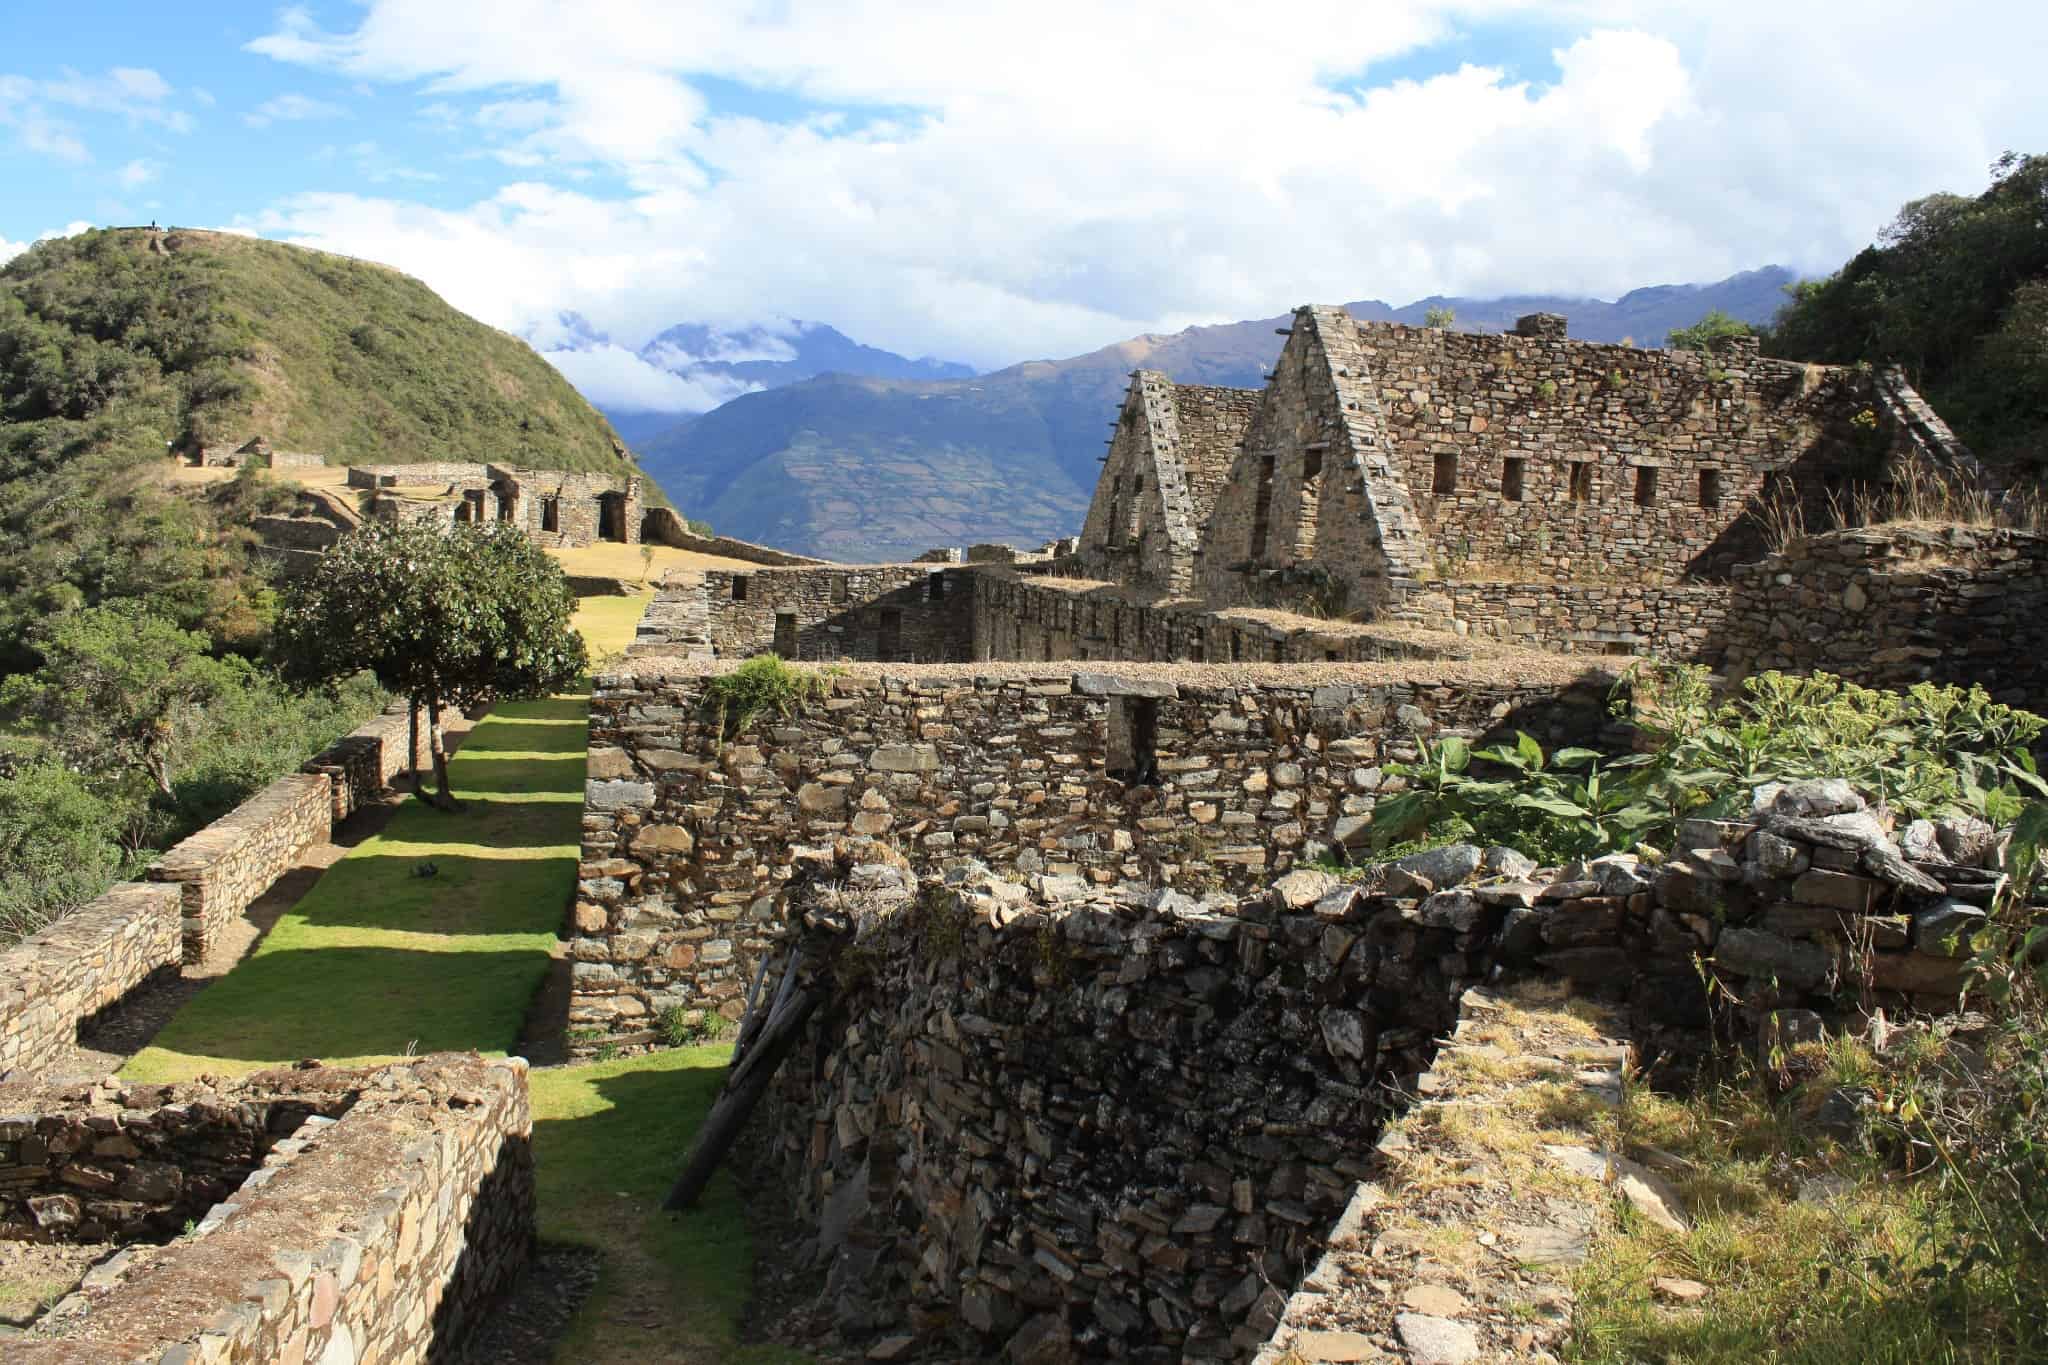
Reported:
(313, 1214)
(556, 509)
(1108, 1070)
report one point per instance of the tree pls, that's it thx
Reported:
(121, 689)
(1439, 317)
(59, 845)
(1703, 334)
(443, 616)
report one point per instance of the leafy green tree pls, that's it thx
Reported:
(1439, 317)
(1704, 333)
(1952, 291)
(121, 691)
(59, 845)
(445, 617)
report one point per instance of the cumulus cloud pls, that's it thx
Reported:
(998, 181)
(138, 173)
(9, 250)
(615, 378)
(292, 108)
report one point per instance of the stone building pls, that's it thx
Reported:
(556, 508)
(1174, 446)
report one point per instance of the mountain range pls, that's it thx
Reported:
(876, 464)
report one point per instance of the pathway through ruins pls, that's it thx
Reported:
(432, 932)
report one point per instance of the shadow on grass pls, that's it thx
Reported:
(347, 1003)
(608, 1139)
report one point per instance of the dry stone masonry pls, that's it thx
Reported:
(231, 862)
(78, 966)
(1141, 1125)
(368, 1214)
(1072, 781)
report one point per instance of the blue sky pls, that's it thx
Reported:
(1014, 178)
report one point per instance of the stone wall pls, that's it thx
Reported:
(1153, 775)
(1892, 606)
(888, 613)
(78, 966)
(1172, 450)
(1316, 487)
(377, 1237)
(297, 533)
(362, 764)
(423, 473)
(1041, 619)
(1681, 621)
(231, 862)
(1122, 1129)
(665, 526)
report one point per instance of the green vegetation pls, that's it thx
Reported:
(607, 1140)
(1702, 335)
(444, 616)
(1911, 1225)
(113, 351)
(762, 686)
(377, 959)
(1927, 751)
(682, 1026)
(1439, 317)
(1956, 292)
(130, 736)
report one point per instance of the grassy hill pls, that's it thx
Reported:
(862, 468)
(116, 346)
(209, 338)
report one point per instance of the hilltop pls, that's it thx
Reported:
(210, 337)
(117, 346)
(862, 467)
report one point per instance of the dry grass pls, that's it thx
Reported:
(1918, 496)
(609, 559)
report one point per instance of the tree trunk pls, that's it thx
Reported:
(444, 797)
(412, 752)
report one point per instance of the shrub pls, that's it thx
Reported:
(1927, 751)
(763, 685)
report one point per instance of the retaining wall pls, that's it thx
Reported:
(1122, 1128)
(79, 965)
(377, 1237)
(664, 526)
(362, 763)
(688, 843)
(231, 862)
(1892, 606)
(1680, 621)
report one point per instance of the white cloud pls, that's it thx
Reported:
(136, 174)
(613, 377)
(996, 181)
(9, 250)
(292, 108)
(34, 109)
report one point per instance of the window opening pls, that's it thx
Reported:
(1133, 740)
(1445, 476)
(1710, 488)
(785, 634)
(739, 587)
(550, 514)
(841, 589)
(1582, 481)
(1512, 472)
(1646, 485)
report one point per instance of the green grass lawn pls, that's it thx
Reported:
(377, 960)
(608, 1138)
